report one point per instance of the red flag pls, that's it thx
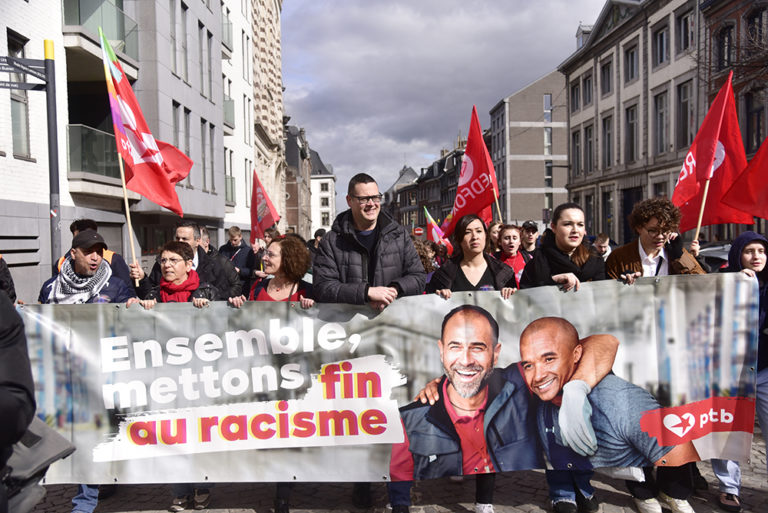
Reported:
(263, 212)
(717, 155)
(152, 167)
(477, 187)
(749, 192)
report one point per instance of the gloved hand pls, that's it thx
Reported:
(575, 420)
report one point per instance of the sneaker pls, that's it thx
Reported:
(564, 507)
(281, 506)
(729, 502)
(201, 498)
(584, 505)
(483, 508)
(401, 509)
(676, 505)
(179, 503)
(651, 505)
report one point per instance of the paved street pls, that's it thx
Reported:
(517, 492)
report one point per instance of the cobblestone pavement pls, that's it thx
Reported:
(516, 492)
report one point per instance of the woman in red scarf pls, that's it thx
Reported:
(510, 237)
(180, 283)
(287, 259)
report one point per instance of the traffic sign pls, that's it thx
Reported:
(418, 231)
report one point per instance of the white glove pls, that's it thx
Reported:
(575, 418)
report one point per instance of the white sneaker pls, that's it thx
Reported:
(676, 505)
(647, 505)
(483, 508)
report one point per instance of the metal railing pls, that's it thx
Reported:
(229, 186)
(121, 31)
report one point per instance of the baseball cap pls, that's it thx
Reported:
(87, 239)
(530, 226)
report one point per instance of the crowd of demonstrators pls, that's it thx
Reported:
(602, 245)
(239, 254)
(509, 249)
(471, 268)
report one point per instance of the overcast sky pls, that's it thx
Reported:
(382, 83)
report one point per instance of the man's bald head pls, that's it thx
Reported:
(550, 351)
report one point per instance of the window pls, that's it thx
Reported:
(685, 31)
(246, 120)
(630, 133)
(184, 50)
(607, 142)
(630, 64)
(606, 84)
(324, 202)
(576, 153)
(203, 154)
(757, 28)
(607, 221)
(246, 47)
(586, 86)
(323, 187)
(724, 43)
(211, 146)
(589, 146)
(660, 190)
(19, 101)
(548, 140)
(548, 108)
(326, 218)
(201, 55)
(176, 124)
(209, 66)
(589, 213)
(660, 123)
(187, 137)
(661, 46)
(755, 109)
(248, 182)
(172, 13)
(686, 128)
(574, 97)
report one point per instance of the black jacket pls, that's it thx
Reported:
(340, 273)
(17, 396)
(503, 275)
(211, 270)
(548, 261)
(240, 257)
(6, 281)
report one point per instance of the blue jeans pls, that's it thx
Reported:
(563, 485)
(728, 475)
(762, 400)
(399, 493)
(86, 499)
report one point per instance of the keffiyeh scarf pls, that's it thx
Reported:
(70, 288)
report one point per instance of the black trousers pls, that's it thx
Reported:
(677, 482)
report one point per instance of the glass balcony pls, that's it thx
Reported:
(226, 34)
(121, 31)
(92, 151)
(229, 111)
(229, 186)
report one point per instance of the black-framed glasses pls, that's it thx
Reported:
(365, 199)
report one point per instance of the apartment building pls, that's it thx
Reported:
(322, 194)
(633, 106)
(529, 150)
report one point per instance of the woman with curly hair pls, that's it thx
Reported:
(287, 259)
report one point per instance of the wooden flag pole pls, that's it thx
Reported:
(496, 198)
(701, 211)
(127, 214)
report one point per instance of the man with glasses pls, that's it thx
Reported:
(366, 257)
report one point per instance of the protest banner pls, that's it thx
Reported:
(271, 392)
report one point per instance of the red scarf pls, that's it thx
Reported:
(172, 293)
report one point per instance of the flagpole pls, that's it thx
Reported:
(701, 211)
(127, 213)
(496, 198)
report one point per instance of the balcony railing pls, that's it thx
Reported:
(226, 34)
(92, 151)
(229, 111)
(121, 31)
(229, 186)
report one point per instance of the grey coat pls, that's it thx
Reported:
(341, 265)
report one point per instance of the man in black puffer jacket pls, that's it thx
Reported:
(367, 257)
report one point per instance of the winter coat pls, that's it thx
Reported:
(6, 280)
(627, 258)
(114, 291)
(211, 270)
(549, 261)
(240, 257)
(503, 275)
(340, 273)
